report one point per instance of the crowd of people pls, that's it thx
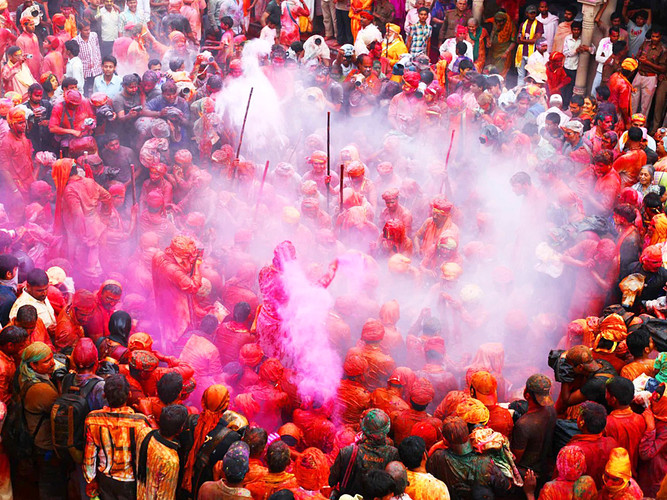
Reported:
(363, 249)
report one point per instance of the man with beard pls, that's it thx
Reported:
(405, 109)
(106, 299)
(127, 105)
(119, 158)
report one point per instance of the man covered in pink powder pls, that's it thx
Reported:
(176, 280)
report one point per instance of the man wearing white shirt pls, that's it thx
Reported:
(541, 55)
(549, 23)
(449, 45)
(35, 294)
(603, 52)
(74, 68)
(572, 47)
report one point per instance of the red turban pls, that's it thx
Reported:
(85, 353)
(372, 331)
(250, 355)
(312, 469)
(271, 371)
(436, 344)
(356, 169)
(73, 97)
(83, 300)
(461, 30)
(426, 431)
(116, 189)
(139, 341)
(384, 168)
(355, 365)
(651, 258)
(160, 168)
(54, 41)
(183, 156)
(422, 392)
(390, 194)
(58, 19)
(366, 15)
(442, 205)
(403, 376)
(412, 78)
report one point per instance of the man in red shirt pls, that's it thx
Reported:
(621, 92)
(30, 45)
(16, 169)
(623, 424)
(68, 117)
(12, 342)
(596, 447)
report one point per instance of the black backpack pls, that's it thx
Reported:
(17, 440)
(68, 417)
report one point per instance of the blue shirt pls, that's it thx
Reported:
(112, 89)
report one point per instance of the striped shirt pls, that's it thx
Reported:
(89, 53)
(111, 438)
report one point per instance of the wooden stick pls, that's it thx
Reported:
(445, 179)
(134, 186)
(342, 169)
(328, 155)
(245, 118)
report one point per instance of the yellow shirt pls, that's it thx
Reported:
(424, 486)
(396, 49)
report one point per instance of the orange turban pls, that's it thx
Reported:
(140, 341)
(426, 431)
(403, 376)
(618, 465)
(312, 470)
(422, 392)
(15, 115)
(613, 329)
(372, 331)
(473, 411)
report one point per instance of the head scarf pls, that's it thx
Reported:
(630, 64)
(659, 403)
(250, 355)
(214, 402)
(37, 351)
(571, 463)
(15, 115)
(618, 466)
(451, 402)
(83, 300)
(236, 461)
(271, 371)
(354, 365)
(390, 313)
(312, 469)
(144, 361)
(85, 353)
(503, 35)
(375, 424)
(651, 258)
(613, 329)
(422, 392)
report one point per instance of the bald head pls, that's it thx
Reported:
(400, 475)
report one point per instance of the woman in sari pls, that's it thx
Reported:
(289, 20)
(503, 42)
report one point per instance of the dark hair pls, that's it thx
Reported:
(296, 47)
(7, 264)
(638, 341)
(112, 288)
(172, 419)
(241, 312)
(571, 8)
(110, 59)
(652, 200)
(47, 85)
(377, 484)
(492, 81)
(431, 326)
(169, 87)
(641, 13)
(116, 390)
(68, 81)
(553, 118)
(455, 430)
(37, 277)
(282, 495)
(13, 50)
(26, 314)
(169, 387)
(594, 416)
(466, 64)
(626, 211)
(576, 24)
(577, 99)
(461, 48)
(277, 456)
(618, 47)
(255, 438)
(208, 324)
(34, 88)
(175, 64)
(214, 82)
(130, 79)
(227, 21)
(654, 29)
(622, 389)
(73, 47)
(412, 450)
(521, 178)
(422, 9)
(614, 15)
(635, 134)
(120, 325)
(13, 334)
(615, 30)
(603, 93)
(523, 96)
(153, 62)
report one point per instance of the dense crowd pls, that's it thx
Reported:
(352, 249)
